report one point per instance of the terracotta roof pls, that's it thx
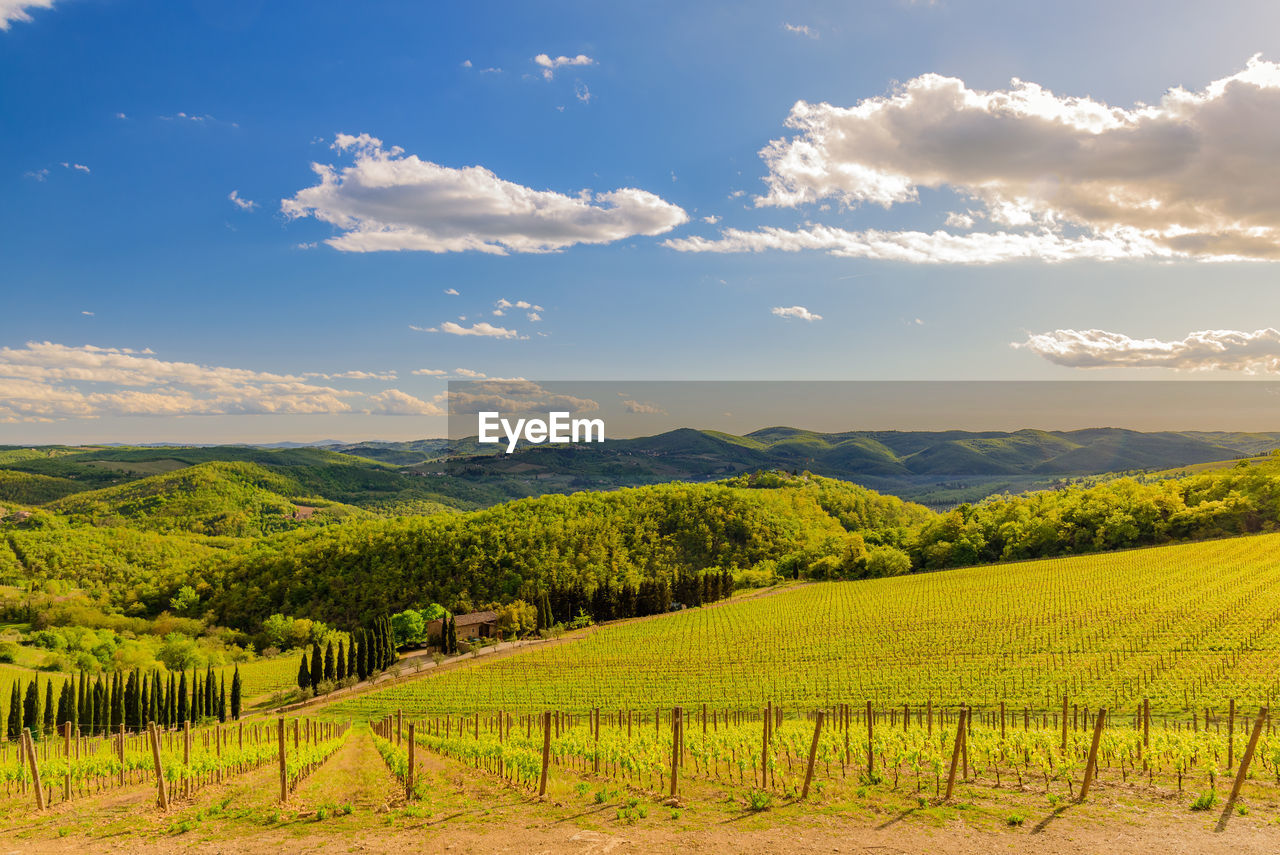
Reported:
(475, 618)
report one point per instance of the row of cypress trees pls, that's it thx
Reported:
(132, 700)
(371, 651)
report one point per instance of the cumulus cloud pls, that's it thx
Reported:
(515, 396)
(389, 201)
(483, 329)
(393, 402)
(452, 292)
(44, 381)
(549, 64)
(1189, 177)
(77, 167)
(16, 10)
(643, 408)
(798, 312)
(242, 204)
(429, 372)
(1255, 352)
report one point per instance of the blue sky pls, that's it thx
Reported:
(173, 312)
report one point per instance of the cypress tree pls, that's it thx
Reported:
(194, 705)
(330, 673)
(210, 693)
(453, 635)
(181, 711)
(340, 662)
(14, 731)
(235, 694)
(375, 660)
(50, 710)
(304, 674)
(130, 690)
(351, 655)
(358, 647)
(222, 698)
(393, 654)
(117, 700)
(153, 708)
(82, 709)
(171, 701)
(96, 693)
(31, 707)
(139, 711)
(317, 666)
(64, 705)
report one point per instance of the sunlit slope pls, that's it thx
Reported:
(1192, 624)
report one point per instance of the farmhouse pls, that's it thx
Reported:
(469, 626)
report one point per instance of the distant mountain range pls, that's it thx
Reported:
(936, 468)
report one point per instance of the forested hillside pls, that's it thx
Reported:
(564, 544)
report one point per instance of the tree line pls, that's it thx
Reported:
(371, 651)
(132, 700)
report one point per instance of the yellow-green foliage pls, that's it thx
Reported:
(235, 499)
(1193, 621)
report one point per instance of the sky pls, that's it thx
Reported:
(233, 221)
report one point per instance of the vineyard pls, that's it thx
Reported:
(1187, 627)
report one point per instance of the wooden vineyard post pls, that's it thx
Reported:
(813, 754)
(595, 754)
(955, 754)
(1064, 722)
(186, 758)
(155, 756)
(398, 725)
(1231, 734)
(677, 724)
(120, 754)
(929, 712)
(1243, 772)
(66, 750)
(546, 752)
(766, 718)
(408, 777)
(871, 761)
(284, 774)
(30, 750)
(1091, 766)
(1146, 729)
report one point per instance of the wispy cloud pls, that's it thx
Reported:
(242, 204)
(801, 29)
(390, 201)
(45, 381)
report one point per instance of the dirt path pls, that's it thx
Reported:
(355, 776)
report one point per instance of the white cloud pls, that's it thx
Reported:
(393, 402)
(1191, 176)
(1255, 352)
(429, 372)
(938, 247)
(37, 174)
(514, 395)
(77, 167)
(581, 92)
(483, 328)
(466, 63)
(16, 10)
(533, 316)
(799, 312)
(643, 408)
(711, 219)
(44, 381)
(389, 201)
(355, 375)
(242, 204)
(90, 314)
(452, 292)
(549, 64)
(801, 29)
(469, 374)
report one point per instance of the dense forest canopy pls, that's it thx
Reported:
(264, 533)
